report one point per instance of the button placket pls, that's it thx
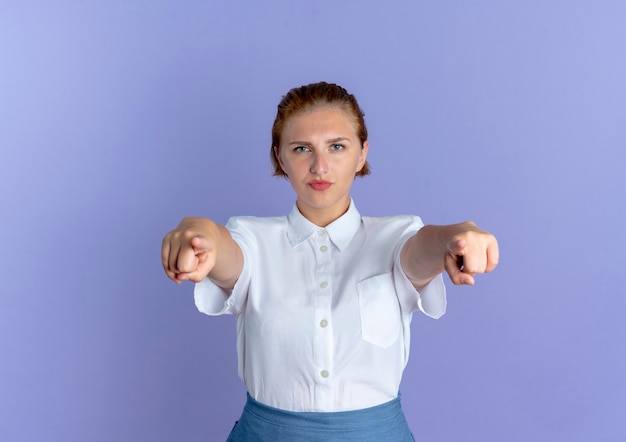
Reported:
(323, 338)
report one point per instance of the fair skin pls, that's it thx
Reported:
(320, 152)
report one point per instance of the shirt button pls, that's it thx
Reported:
(324, 373)
(324, 285)
(321, 232)
(323, 323)
(323, 248)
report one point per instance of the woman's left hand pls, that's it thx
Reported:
(469, 251)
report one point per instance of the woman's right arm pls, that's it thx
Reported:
(198, 248)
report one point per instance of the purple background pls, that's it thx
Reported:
(118, 118)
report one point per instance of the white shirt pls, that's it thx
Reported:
(323, 314)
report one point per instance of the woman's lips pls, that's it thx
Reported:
(320, 185)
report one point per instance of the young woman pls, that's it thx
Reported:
(323, 297)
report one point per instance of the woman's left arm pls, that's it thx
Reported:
(462, 250)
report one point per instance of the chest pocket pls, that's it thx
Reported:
(381, 321)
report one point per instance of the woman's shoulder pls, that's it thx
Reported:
(390, 221)
(255, 223)
(392, 225)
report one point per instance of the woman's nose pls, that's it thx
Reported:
(319, 166)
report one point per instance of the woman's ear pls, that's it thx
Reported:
(363, 156)
(280, 161)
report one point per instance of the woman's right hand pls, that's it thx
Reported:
(189, 251)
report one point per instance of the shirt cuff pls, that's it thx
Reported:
(213, 300)
(431, 298)
(210, 298)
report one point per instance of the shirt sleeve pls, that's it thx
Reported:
(431, 299)
(213, 300)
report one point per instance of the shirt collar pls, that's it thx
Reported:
(340, 231)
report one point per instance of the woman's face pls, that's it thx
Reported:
(321, 153)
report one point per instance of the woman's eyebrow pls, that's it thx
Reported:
(329, 141)
(336, 140)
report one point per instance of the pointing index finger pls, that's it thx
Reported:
(200, 243)
(457, 246)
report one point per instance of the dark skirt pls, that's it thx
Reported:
(260, 423)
